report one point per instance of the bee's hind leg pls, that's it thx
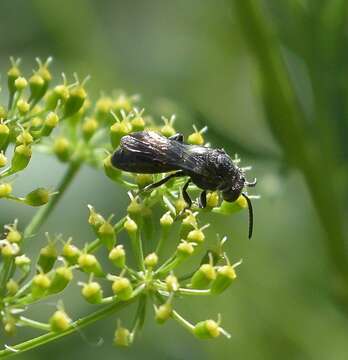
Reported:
(202, 200)
(164, 180)
(185, 194)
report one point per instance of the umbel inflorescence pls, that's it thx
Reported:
(62, 121)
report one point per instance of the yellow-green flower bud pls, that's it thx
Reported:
(48, 256)
(172, 283)
(166, 220)
(13, 235)
(37, 87)
(10, 250)
(24, 138)
(122, 337)
(44, 72)
(37, 197)
(123, 102)
(89, 127)
(110, 171)
(143, 180)
(167, 130)
(35, 124)
(60, 279)
(138, 123)
(185, 249)
(5, 190)
(12, 75)
(75, 101)
(151, 260)
(4, 132)
(212, 199)
(130, 226)
(62, 148)
(163, 313)
(107, 235)
(118, 130)
(196, 236)
(95, 219)
(207, 329)
(52, 119)
(3, 160)
(23, 106)
(20, 83)
(203, 277)
(12, 287)
(59, 321)
(89, 264)
(224, 278)
(118, 256)
(40, 285)
(188, 223)
(92, 292)
(71, 253)
(59, 93)
(227, 208)
(134, 208)
(21, 158)
(195, 138)
(62, 91)
(50, 123)
(103, 108)
(122, 287)
(23, 262)
(180, 205)
(9, 326)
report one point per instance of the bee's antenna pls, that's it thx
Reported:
(251, 215)
(251, 184)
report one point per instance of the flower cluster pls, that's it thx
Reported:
(62, 121)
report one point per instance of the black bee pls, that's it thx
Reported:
(147, 152)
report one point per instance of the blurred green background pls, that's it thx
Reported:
(269, 78)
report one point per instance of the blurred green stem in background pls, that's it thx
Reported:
(308, 147)
(43, 213)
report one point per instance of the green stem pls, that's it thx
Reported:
(169, 266)
(177, 317)
(164, 236)
(138, 249)
(5, 274)
(75, 326)
(34, 324)
(186, 324)
(43, 213)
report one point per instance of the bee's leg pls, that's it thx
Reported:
(185, 195)
(202, 201)
(164, 180)
(177, 137)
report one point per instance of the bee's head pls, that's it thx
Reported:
(233, 192)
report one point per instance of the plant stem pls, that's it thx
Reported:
(75, 326)
(43, 213)
(5, 274)
(137, 247)
(302, 148)
(34, 324)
